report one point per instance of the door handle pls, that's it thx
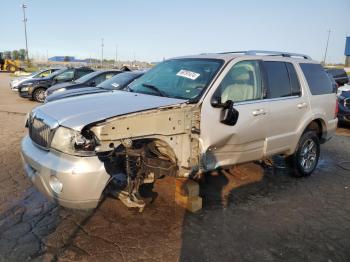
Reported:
(302, 105)
(259, 112)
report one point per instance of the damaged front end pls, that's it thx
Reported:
(141, 147)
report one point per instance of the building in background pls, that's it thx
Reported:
(66, 59)
(347, 52)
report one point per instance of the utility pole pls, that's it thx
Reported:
(25, 29)
(102, 53)
(116, 55)
(325, 53)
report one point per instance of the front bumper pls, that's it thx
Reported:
(83, 179)
(344, 118)
(14, 86)
(24, 94)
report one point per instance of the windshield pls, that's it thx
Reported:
(119, 81)
(87, 77)
(56, 73)
(178, 78)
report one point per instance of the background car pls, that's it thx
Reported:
(118, 82)
(35, 88)
(38, 74)
(339, 75)
(92, 79)
(344, 107)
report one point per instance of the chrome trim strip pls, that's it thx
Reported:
(266, 100)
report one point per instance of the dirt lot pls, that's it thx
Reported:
(250, 214)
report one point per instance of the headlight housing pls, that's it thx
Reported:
(27, 84)
(24, 89)
(60, 90)
(73, 142)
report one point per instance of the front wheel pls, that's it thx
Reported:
(304, 161)
(39, 95)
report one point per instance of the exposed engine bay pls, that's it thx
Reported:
(134, 163)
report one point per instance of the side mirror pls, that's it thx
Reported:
(92, 83)
(216, 102)
(229, 115)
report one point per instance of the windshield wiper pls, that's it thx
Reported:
(154, 88)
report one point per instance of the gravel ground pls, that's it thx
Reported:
(250, 213)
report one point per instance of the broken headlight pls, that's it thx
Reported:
(73, 142)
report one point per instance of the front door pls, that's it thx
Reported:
(225, 145)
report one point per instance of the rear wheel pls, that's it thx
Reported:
(39, 95)
(304, 161)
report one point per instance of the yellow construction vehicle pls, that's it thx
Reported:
(9, 65)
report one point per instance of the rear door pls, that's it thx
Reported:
(287, 104)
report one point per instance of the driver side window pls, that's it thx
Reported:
(242, 83)
(66, 75)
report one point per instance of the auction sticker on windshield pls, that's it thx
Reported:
(188, 74)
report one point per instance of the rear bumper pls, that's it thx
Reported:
(331, 128)
(83, 179)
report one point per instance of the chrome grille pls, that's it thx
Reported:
(39, 132)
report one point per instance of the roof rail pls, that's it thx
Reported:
(270, 53)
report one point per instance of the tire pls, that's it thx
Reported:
(11, 68)
(39, 95)
(304, 161)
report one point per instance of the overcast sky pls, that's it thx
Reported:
(151, 30)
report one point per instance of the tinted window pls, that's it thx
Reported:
(317, 79)
(294, 81)
(68, 74)
(102, 77)
(120, 81)
(242, 83)
(80, 73)
(277, 80)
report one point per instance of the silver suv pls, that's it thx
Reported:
(185, 116)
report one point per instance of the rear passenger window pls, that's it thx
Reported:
(317, 79)
(277, 79)
(294, 81)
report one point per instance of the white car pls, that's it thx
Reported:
(186, 116)
(38, 74)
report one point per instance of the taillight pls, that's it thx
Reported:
(336, 108)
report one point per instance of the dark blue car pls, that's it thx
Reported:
(344, 107)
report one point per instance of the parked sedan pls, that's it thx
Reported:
(38, 74)
(339, 75)
(92, 79)
(344, 107)
(118, 82)
(35, 88)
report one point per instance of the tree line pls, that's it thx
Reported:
(15, 54)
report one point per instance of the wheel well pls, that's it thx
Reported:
(317, 125)
(36, 88)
